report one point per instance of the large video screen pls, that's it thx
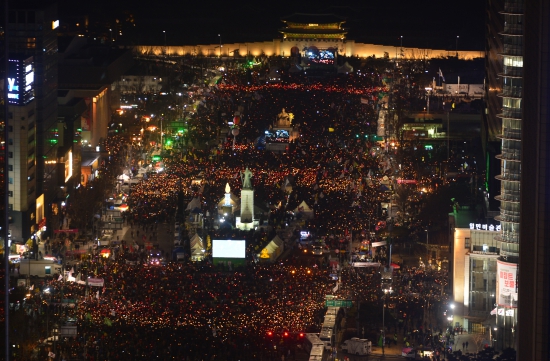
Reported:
(228, 248)
(316, 56)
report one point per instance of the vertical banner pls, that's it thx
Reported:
(506, 284)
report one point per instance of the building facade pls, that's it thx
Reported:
(22, 149)
(475, 254)
(510, 165)
(32, 26)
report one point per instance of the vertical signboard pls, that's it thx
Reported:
(507, 295)
(20, 81)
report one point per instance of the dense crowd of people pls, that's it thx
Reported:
(198, 311)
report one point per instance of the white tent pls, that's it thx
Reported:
(197, 248)
(195, 203)
(273, 249)
(305, 210)
(346, 68)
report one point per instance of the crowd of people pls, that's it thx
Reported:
(196, 311)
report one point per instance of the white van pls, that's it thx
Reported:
(105, 241)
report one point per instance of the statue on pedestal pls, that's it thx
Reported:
(283, 119)
(245, 178)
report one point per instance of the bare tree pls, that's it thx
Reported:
(478, 339)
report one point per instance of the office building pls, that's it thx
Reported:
(32, 28)
(21, 148)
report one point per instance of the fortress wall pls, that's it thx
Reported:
(278, 47)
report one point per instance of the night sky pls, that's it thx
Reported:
(423, 23)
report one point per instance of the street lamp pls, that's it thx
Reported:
(386, 291)
(427, 246)
(456, 48)
(401, 48)
(55, 333)
(164, 31)
(220, 36)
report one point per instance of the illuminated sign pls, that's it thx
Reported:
(55, 24)
(20, 81)
(69, 166)
(507, 291)
(485, 227)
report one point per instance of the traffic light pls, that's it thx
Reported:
(285, 334)
(301, 334)
(269, 333)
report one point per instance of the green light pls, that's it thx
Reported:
(181, 130)
(156, 157)
(79, 129)
(53, 141)
(428, 147)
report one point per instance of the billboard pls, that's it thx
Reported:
(507, 291)
(228, 248)
(20, 81)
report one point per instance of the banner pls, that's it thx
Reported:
(365, 264)
(65, 231)
(507, 284)
(96, 282)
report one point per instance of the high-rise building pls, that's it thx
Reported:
(491, 123)
(511, 92)
(21, 147)
(32, 28)
(533, 326)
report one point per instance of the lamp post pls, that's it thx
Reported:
(427, 246)
(220, 36)
(164, 31)
(386, 291)
(456, 47)
(401, 47)
(55, 333)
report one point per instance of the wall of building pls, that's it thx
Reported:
(22, 176)
(283, 48)
(459, 273)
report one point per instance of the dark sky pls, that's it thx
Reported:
(423, 23)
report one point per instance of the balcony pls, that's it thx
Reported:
(509, 177)
(511, 113)
(514, 156)
(512, 30)
(511, 72)
(508, 198)
(509, 216)
(512, 92)
(512, 49)
(509, 254)
(513, 8)
(511, 134)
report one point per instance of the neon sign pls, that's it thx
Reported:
(20, 81)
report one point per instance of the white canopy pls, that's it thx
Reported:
(197, 246)
(346, 68)
(195, 203)
(273, 249)
(305, 210)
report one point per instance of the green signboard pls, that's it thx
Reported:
(338, 303)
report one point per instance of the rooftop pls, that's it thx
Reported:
(303, 18)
